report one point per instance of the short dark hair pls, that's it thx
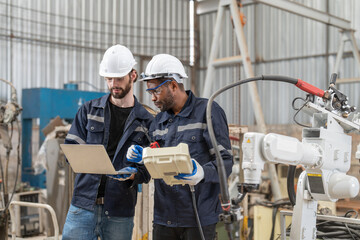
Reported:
(181, 86)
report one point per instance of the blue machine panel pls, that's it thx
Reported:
(46, 104)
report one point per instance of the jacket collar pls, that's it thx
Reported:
(185, 111)
(138, 111)
(101, 102)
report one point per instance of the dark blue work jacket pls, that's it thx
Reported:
(173, 205)
(91, 126)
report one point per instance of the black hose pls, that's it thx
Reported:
(220, 164)
(327, 229)
(225, 198)
(192, 189)
(275, 209)
(18, 161)
(275, 206)
(298, 110)
(349, 231)
(290, 184)
(2, 177)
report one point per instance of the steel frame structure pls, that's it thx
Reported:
(214, 62)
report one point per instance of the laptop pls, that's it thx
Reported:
(88, 158)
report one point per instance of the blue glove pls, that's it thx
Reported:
(193, 178)
(124, 174)
(134, 154)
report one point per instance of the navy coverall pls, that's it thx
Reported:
(173, 205)
(91, 126)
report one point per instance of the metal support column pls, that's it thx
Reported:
(244, 58)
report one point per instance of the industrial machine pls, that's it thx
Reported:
(8, 117)
(45, 104)
(324, 152)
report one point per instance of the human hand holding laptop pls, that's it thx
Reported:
(93, 159)
(124, 174)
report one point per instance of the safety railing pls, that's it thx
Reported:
(35, 205)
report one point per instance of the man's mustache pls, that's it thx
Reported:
(118, 88)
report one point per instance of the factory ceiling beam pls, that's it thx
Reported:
(208, 6)
(308, 12)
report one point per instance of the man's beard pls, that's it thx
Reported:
(167, 103)
(123, 92)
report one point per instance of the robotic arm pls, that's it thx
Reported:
(325, 167)
(324, 152)
(259, 148)
(325, 155)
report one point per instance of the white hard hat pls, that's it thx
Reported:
(164, 66)
(117, 62)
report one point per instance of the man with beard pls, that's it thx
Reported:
(103, 206)
(183, 120)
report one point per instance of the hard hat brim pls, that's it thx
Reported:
(117, 74)
(176, 77)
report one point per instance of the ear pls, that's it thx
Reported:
(173, 85)
(133, 75)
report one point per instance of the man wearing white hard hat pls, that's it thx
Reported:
(103, 206)
(183, 120)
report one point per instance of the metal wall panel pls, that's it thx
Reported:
(58, 41)
(54, 42)
(285, 44)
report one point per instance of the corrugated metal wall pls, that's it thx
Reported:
(48, 43)
(285, 44)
